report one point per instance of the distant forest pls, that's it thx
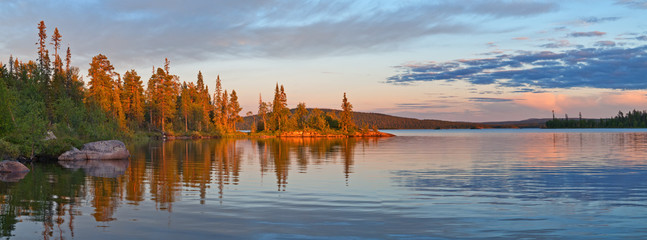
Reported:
(384, 121)
(631, 119)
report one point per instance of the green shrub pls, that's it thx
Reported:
(8, 149)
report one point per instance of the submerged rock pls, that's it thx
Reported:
(101, 150)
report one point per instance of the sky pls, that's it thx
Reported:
(459, 60)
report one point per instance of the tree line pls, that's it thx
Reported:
(631, 119)
(47, 107)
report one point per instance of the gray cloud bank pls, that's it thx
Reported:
(249, 28)
(604, 67)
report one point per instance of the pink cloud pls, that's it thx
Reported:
(566, 103)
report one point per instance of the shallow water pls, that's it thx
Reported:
(532, 183)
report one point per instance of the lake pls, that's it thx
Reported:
(422, 184)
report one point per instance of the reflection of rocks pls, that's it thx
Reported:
(12, 171)
(99, 168)
(12, 176)
(111, 149)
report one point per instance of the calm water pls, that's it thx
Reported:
(422, 184)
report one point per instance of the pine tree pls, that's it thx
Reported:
(133, 96)
(68, 59)
(204, 101)
(152, 97)
(262, 111)
(167, 93)
(224, 112)
(217, 98)
(234, 110)
(56, 42)
(280, 111)
(43, 55)
(346, 122)
(105, 88)
(185, 104)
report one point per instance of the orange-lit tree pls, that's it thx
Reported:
(104, 90)
(133, 97)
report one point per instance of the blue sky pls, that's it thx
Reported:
(449, 60)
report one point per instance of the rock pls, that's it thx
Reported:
(12, 167)
(101, 150)
(99, 168)
(50, 136)
(12, 171)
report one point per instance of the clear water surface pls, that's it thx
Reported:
(422, 184)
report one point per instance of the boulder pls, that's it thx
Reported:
(12, 167)
(101, 150)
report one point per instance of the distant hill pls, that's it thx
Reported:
(384, 121)
(528, 123)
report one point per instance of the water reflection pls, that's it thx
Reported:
(443, 185)
(277, 154)
(157, 171)
(98, 168)
(12, 176)
(48, 195)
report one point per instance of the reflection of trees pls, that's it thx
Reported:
(159, 172)
(136, 174)
(305, 151)
(227, 159)
(48, 194)
(105, 193)
(166, 178)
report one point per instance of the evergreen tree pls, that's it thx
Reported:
(217, 98)
(185, 105)
(43, 54)
(224, 112)
(104, 90)
(204, 101)
(262, 112)
(56, 42)
(68, 59)
(133, 97)
(280, 111)
(346, 122)
(234, 110)
(164, 94)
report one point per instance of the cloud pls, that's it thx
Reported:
(590, 20)
(642, 38)
(605, 43)
(557, 44)
(587, 34)
(419, 106)
(489, 100)
(204, 29)
(586, 103)
(633, 3)
(521, 38)
(609, 68)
